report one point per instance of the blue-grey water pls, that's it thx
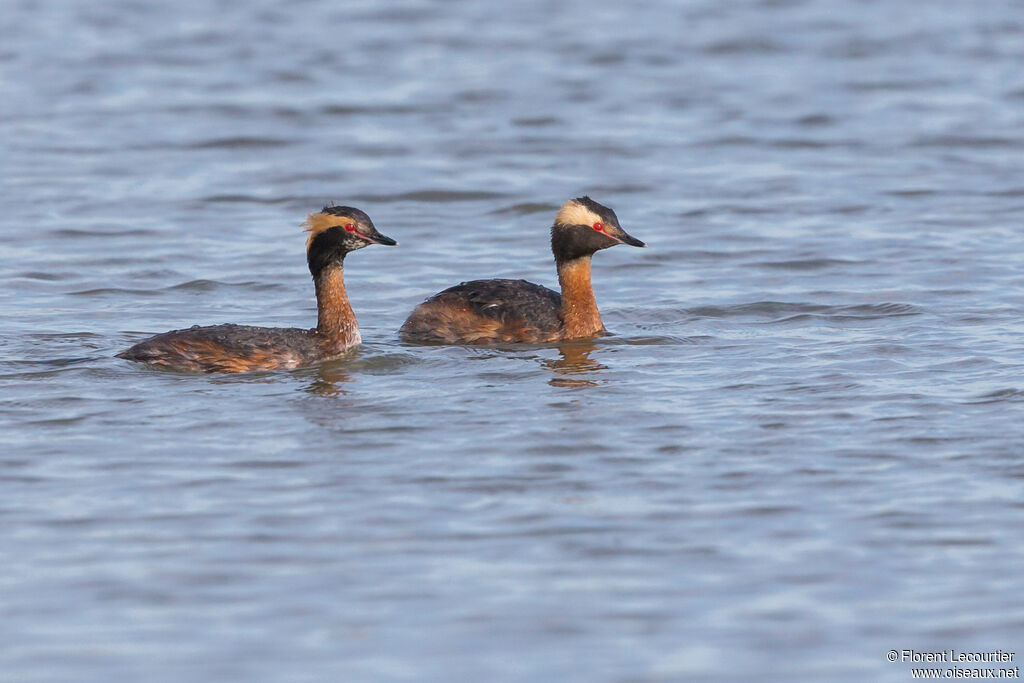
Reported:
(802, 446)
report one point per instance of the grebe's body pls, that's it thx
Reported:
(488, 312)
(230, 348)
(333, 233)
(517, 311)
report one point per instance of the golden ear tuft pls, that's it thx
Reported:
(316, 223)
(574, 213)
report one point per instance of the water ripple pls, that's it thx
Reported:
(240, 142)
(778, 310)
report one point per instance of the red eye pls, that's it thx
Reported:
(350, 227)
(599, 227)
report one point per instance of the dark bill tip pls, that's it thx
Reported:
(385, 240)
(631, 241)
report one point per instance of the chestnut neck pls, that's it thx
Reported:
(579, 308)
(336, 322)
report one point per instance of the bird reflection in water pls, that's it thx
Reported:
(329, 379)
(574, 366)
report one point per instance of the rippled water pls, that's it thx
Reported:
(800, 449)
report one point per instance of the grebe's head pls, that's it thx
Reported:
(334, 232)
(583, 226)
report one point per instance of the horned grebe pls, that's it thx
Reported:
(333, 232)
(502, 311)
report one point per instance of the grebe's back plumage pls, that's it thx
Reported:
(517, 311)
(487, 312)
(228, 348)
(333, 233)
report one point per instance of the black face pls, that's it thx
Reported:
(354, 231)
(574, 241)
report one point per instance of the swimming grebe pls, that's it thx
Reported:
(502, 311)
(333, 232)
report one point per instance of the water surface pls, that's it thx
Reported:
(799, 449)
